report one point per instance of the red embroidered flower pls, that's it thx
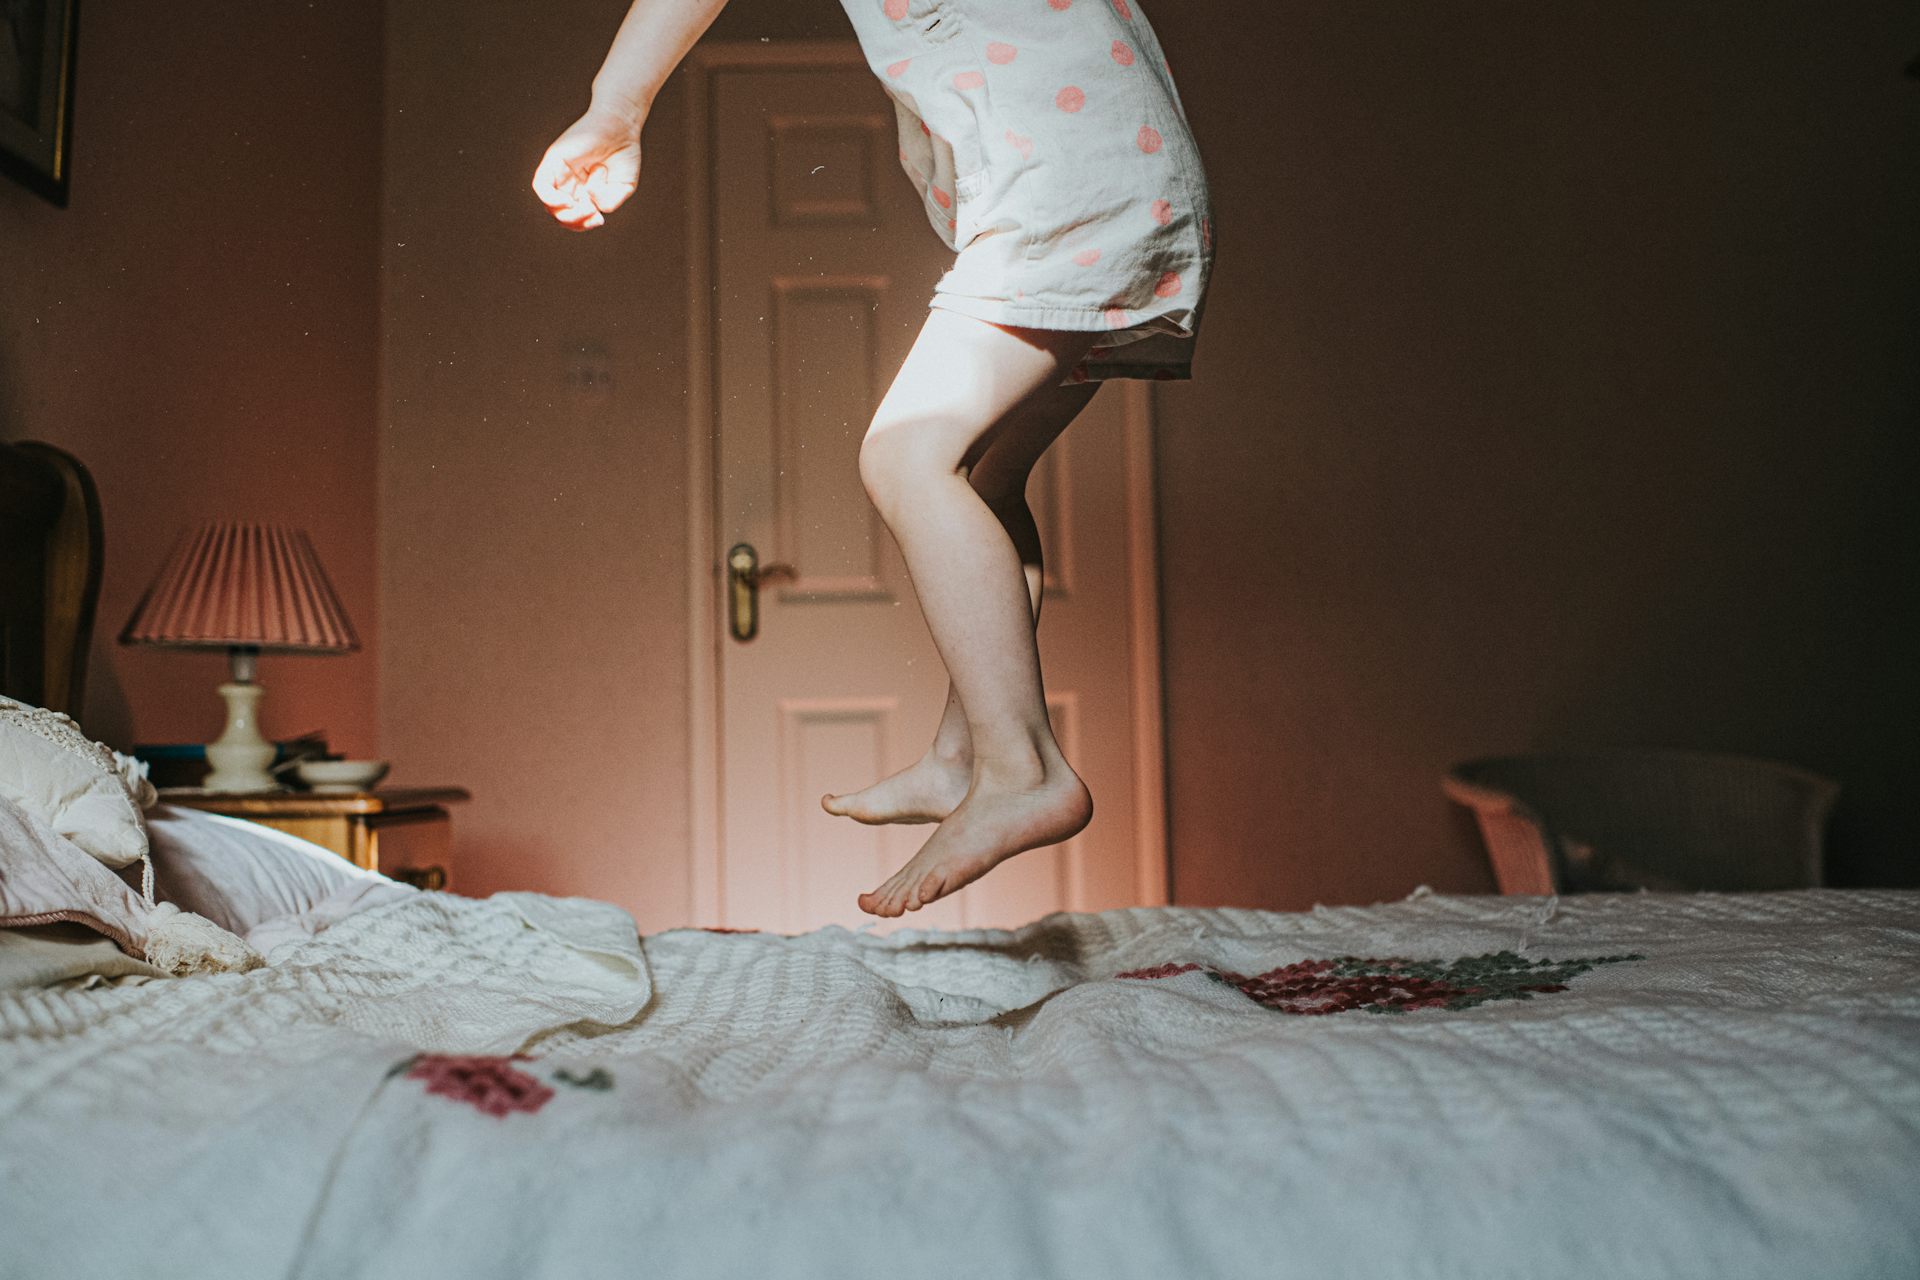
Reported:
(1309, 988)
(487, 1084)
(1394, 985)
(1158, 971)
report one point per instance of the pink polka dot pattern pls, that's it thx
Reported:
(1093, 261)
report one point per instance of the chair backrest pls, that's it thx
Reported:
(1627, 819)
(50, 559)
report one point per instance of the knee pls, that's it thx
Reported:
(879, 469)
(894, 465)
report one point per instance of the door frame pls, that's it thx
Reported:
(706, 630)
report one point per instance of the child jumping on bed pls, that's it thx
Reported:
(1052, 155)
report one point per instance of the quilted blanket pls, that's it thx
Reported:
(1603, 1086)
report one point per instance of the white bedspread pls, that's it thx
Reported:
(1743, 1100)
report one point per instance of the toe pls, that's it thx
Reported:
(926, 891)
(896, 898)
(881, 901)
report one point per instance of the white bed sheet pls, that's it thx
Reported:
(1742, 1100)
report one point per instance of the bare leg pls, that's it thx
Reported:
(933, 786)
(962, 377)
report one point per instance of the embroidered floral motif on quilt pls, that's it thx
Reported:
(490, 1083)
(1394, 985)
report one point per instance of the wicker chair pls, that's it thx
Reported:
(1602, 821)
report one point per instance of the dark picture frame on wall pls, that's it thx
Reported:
(36, 93)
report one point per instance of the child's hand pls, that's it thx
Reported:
(590, 170)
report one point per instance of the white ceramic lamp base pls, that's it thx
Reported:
(240, 756)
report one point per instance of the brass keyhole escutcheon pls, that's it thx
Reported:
(745, 573)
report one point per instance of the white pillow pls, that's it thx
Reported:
(75, 785)
(242, 874)
(46, 879)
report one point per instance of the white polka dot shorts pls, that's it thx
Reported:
(1052, 153)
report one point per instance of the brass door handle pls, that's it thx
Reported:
(745, 573)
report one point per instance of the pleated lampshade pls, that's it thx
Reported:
(231, 583)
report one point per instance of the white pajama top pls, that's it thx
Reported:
(1050, 148)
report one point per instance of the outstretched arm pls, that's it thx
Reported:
(593, 167)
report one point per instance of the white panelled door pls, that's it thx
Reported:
(814, 263)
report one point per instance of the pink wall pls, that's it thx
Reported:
(533, 572)
(1560, 389)
(1555, 389)
(198, 327)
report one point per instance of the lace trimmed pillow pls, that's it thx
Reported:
(87, 792)
(47, 879)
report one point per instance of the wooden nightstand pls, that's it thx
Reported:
(403, 832)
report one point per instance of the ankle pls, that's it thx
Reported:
(953, 758)
(1021, 767)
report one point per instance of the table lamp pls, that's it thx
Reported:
(248, 589)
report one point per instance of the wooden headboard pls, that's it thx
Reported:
(50, 556)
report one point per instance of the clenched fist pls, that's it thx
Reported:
(590, 170)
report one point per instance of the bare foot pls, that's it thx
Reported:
(925, 791)
(997, 819)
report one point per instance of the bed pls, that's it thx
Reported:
(418, 1084)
